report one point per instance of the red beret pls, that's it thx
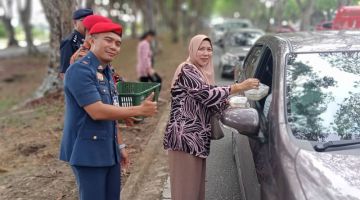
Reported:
(91, 20)
(103, 27)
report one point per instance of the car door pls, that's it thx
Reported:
(261, 146)
(248, 180)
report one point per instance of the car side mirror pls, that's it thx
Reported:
(244, 120)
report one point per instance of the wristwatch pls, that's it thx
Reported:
(121, 146)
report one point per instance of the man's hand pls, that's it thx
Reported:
(129, 121)
(125, 161)
(151, 71)
(148, 107)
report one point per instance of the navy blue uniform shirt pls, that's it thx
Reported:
(88, 142)
(68, 47)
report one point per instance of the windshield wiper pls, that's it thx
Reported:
(341, 143)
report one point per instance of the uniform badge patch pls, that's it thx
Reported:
(100, 68)
(99, 76)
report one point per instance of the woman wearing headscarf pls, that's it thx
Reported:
(187, 136)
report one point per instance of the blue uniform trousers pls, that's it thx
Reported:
(98, 183)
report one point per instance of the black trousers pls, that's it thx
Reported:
(154, 78)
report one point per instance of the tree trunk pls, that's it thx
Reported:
(10, 32)
(175, 21)
(307, 9)
(279, 9)
(90, 4)
(171, 20)
(6, 19)
(25, 15)
(134, 7)
(344, 3)
(58, 14)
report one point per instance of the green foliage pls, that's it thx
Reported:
(2, 30)
(40, 33)
(225, 8)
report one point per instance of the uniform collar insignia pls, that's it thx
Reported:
(100, 68)
(99, 76)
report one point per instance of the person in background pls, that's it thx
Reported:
(144, 68)
(194, 98)
(73, 41)
(89, 142)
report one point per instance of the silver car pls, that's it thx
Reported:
(219, 30)
(237, 44)
(302, 141)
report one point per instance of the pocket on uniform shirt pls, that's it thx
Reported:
(93, 135)
(105, 94)
(104, 90)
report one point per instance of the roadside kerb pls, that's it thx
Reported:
(134, 181)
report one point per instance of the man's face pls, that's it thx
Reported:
(79, 26)
(105, 46)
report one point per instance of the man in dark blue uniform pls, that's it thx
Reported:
(73, 41)
(89, 142)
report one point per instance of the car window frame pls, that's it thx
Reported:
(264, 59)
(250, 55)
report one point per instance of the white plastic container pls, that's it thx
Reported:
(257, 94)
(238, 102)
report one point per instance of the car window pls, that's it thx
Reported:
(251, 61)
(323, 95)
(264, 73)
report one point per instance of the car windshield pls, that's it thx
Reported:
(244, 38)
(323, 95)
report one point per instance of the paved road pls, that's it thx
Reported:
(222, 182)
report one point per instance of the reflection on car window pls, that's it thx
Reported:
(244, 38)
(251, 61)
(323, 95)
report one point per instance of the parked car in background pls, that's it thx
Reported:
(237, 44)
(219, 30)
(284, 29)
(304, 136)
(324, 26)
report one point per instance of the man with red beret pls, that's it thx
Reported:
(89, 143)
(88, 23)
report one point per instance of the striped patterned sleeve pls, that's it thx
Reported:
(211, 96)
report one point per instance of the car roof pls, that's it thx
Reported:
(317, 41)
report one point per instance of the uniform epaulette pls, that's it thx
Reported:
(75, 38)
(85, 62)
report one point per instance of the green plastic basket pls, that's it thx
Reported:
(133, 93)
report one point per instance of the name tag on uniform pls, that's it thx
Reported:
(99, 76)
(116, 101)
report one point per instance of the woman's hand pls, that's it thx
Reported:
(250, 83)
